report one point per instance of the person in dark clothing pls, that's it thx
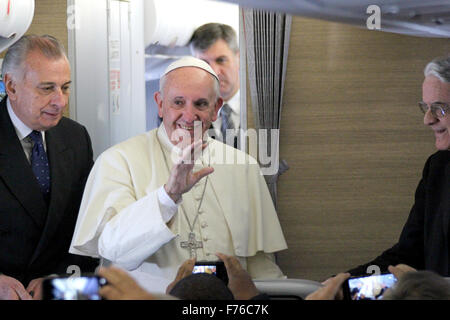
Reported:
(45, 160)
(424, 240)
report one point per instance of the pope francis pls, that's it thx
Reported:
(174, 193)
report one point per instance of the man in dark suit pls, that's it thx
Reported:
(424, 241)
(44, 163)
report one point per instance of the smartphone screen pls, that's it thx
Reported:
(368, 287)
(211, 269)
(73, 288)
(216, 268)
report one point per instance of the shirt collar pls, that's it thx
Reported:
(234, 102)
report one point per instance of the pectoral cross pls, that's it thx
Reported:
(192, 245)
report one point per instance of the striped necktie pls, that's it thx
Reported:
(227, 122)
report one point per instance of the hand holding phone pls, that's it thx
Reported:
(240, 283)
(331, 289)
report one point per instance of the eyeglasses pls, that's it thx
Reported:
(438, 109)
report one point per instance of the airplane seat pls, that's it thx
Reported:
(287, 289)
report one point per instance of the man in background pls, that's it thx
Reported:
(217, 44)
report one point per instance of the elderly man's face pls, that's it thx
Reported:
(434, 90)
(188, 98)
(225, 64)
(40, 95)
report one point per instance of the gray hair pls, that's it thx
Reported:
(440, 68)
(16, 55)
(420, 285)
(207, 34)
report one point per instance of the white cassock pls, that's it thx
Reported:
(144, 230)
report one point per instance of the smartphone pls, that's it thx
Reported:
(216, 268)
(84, 287)
(370, 287)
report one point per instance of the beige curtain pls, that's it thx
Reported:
(267, 37)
